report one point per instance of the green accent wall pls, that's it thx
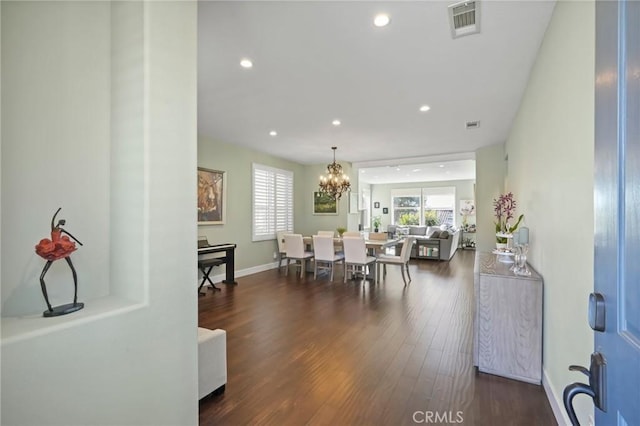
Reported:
(550, 171)
(237, 160)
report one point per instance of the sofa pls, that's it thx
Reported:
(448, 244)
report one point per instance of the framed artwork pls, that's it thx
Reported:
(324, 204)
(376, 205)
(385, 210)
(467, 207)
(211, 196)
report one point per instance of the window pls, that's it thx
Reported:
(406, 206)
(272, 202)
(426, 206)
(439, 205)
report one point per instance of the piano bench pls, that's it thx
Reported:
(206, 265)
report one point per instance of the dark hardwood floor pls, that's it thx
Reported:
(303, 352)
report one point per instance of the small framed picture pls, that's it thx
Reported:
(376, 205)
(385, 210)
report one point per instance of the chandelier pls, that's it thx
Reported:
(336, 182)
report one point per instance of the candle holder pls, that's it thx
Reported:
(520, 265)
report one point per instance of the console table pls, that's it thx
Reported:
(507, 333)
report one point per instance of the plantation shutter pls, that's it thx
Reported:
(272, 202)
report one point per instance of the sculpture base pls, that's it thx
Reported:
(63, 310)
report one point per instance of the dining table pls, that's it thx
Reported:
(374, 245)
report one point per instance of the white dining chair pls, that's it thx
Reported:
(356, 258)
(326, 233)
(402, 260)
(282, 251)
(325, 256)
(294, 246)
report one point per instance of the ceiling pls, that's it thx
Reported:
(419, 172)
(314, 62)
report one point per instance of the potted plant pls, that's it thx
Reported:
(504, 209)
(341, 230)
(377, 221)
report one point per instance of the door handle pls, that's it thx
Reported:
(595, 389)
(596, 312)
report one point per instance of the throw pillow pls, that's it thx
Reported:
(444, 235)
(418, 230)
(435, 234)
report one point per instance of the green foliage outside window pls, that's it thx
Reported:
(431, 218)
(409, 219)
(406, 201)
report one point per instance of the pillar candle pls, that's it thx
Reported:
(524, 235)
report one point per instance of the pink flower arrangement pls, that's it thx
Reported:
(504, 208)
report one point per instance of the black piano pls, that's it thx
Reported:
(228, 258)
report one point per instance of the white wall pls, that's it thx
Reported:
(551, 151)
(114, 362)
(56, 135)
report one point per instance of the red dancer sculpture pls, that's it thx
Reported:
(58, 247)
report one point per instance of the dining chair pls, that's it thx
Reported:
(402, 260)
(326, 233)
(294, 246)
(282, 251)
(356, 258)
(351, 234)
(325, 255)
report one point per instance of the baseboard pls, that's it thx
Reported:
(554, 400)
(243, 272)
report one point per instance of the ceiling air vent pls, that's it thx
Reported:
(472, 125)
(464, 18)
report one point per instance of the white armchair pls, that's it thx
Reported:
(402, 260)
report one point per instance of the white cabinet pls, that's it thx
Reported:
(508, 321)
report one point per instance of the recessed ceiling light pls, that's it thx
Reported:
(246, 63)
(381, 20)
(425, 108)
(416, 170)
(397, 169)
(273, 133)
(441, 165)
(336, 122)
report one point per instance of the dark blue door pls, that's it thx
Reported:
(617, 208)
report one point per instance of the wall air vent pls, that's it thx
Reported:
(464, 18)
(472, 125)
